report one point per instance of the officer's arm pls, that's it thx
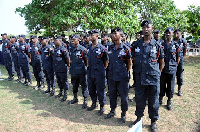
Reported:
(29, 55)
(185, 49)
(129, 63)
(178, 55)
(106, 64)
(86, 61)
(68, 61)
(161, 64)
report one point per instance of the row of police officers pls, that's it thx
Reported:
(93, 65)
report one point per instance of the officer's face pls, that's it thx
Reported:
(147, 29)
(169, 35)
(115, 36)
(4, 37)
(21, 39)
(156, 36)
(87, 39)
(93, 37)
(12, 40)
(75, 42)
(34, 40)
(57, 42)
(138, 36)
(44, 42)
(177, 35)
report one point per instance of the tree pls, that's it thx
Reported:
(193, 15)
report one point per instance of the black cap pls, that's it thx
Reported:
(22, 35)
(33, 37)
(44, 38)
(4, 34)
(93, 31)
(177, 30)
(117, 29)
(146, 23)
(12, 37)
(104, 35)
(156, 31)
(76, 36)
(57, 37)
(169, 29)
(63, 35)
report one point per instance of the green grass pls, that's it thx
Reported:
(24, 109)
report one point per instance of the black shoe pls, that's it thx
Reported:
(123, 119)
(111, 114)
(59, 95)
(136, 121)
(154, 126)
(28, 83)
(11, 78)
(84, 104)
(179, 93)
(52, 92)
(75, 100)
(42, 86)
(64, 98)
(25, 82)
(160, 100)
(101, 111)
(36, 87)
(92, 107)
(169, 104)
(132, 100)
(47, 91)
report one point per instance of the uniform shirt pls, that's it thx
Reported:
(77, 57)
(118, 62)
(6, 49)
(59, 59)
(14, 50)
(147, 61)
(160, 41)
(171, 55)
(128, 44)
(183, 45)
(35, 54)
(46, 56)
(96, 58)
(24, 49)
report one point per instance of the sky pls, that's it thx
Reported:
(12, 23)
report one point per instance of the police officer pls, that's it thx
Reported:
(149, 61)
(104, 40)
(36, 63)
(87, 42)
(61, 61)
(172, 58)
(6, 49)
(24, 59)
(47, 53)
(156, 36)
(14, 52)
(124, 39)
(97, 63)
(183, 47)
(79, 62)
(119, 67)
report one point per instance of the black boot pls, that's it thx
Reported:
(100, 112)
(92, 107)
(136, 121)
(84, 103)
(28, 83)
(19, 80)
(179, 91)
(169, 104)
(75, 99)
(25, 82)
(47, 91)
(160, 100)
(111, 114)
(11, 78)
(132, 100)
(123, 117)
(64, 96)
(37, 86)
(52, 91)
(154, 126)
(60, 94)
(42, 86)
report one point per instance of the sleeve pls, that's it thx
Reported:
(84, 53)
(160, 49)
(65, 53)
(178, 51)
(128, 53)
(104, 55)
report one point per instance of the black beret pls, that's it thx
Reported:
(22, 35)
(12, 37)
(117, 29)
(63, 35)
(93, 31)
(4, 34)
(57, 37)
(104, 35)
(76, 36)
(156, 31)
(146, 22)
(87, 35)
(169, 29)
(177, 30)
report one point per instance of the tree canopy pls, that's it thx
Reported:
(57, 16)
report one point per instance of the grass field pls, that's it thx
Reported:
(23, 109)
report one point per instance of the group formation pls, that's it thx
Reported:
(94, 65)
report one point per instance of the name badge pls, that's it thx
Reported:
(137, 49)
(122, 52)
(154, 50)
(98, 51)
(173, 47)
